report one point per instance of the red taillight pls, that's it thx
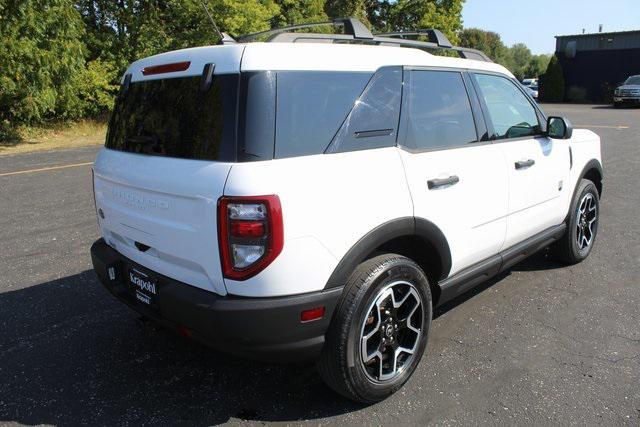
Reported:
(247, 229)
(166, 68)
(250, 234)
(312, 314)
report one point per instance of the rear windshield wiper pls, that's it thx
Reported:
(146, 144)
(142, 139)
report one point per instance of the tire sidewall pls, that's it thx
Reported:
(585, 187)
(399, 269)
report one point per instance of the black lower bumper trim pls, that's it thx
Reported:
(259, 328)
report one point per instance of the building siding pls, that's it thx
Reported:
(597, 63)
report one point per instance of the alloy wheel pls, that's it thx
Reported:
(586, 221)
(391, 331)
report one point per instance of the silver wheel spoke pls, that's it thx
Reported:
(391, 331)
(586, 221)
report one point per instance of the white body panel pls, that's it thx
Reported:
(167, 204)
(471, 213)
(329, 202)
(535, 192)
(226, 59)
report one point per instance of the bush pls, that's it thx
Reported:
(576, 94)
(96, 90)
(552, 84)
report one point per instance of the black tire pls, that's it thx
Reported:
(568, 249)
(341, 364)
(617, 105)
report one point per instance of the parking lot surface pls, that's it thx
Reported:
(540, 344)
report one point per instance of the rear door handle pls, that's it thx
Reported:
(443, 182)
(523, 164)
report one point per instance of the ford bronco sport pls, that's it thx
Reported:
(315, 196)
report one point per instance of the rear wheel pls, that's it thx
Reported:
(582, 225)
(379, 331)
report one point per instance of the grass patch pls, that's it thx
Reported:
(55, 136)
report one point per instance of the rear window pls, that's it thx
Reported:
(177, 118)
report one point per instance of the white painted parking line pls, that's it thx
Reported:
(46, 169)
(603, 126)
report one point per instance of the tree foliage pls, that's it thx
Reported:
(64, 58)
(552, 84)
(517, 58)
(42, 61)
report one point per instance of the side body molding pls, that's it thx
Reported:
(426, 231)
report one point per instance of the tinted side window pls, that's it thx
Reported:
(511, 112)
(311, 107)
(373, 121)
(438, 112)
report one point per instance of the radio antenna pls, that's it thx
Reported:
(213, 23)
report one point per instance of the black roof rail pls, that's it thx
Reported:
(352, 27)
(356, 32)
(434, 35)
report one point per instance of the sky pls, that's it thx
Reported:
(536, 22)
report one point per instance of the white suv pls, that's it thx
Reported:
(314, 197)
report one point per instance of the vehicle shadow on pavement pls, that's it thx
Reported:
(71, 354)
(539, 261)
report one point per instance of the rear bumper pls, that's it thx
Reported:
(266, 329)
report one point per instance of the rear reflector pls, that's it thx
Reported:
(184, 332)
(166, 68)
(312, 314)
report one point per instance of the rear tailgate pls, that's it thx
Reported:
(168, 205)
(168, 153)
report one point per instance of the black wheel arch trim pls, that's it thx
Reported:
(400, 227)
(592, 164)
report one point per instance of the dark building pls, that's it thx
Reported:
(594, 64)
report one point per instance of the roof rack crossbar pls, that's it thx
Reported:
(352, 27)
(434, 35)
(356, 32)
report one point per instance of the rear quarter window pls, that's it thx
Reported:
(311, 107)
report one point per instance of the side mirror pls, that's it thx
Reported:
(559, 128)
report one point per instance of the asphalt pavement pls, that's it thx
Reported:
(540, 344)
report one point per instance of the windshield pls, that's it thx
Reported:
(176, 118)
(633, 80)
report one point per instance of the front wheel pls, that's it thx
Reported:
(379, 331)
(582, 225)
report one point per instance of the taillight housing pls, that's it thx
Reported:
(250, 234)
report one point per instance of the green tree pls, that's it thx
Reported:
(537, 65)
(347, 8)
(398, 15)
(298, 12)
(552, 83)
(42, 57)
(521, 56)
(486, 41)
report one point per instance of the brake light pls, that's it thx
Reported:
(166, 68)
(250, 234)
